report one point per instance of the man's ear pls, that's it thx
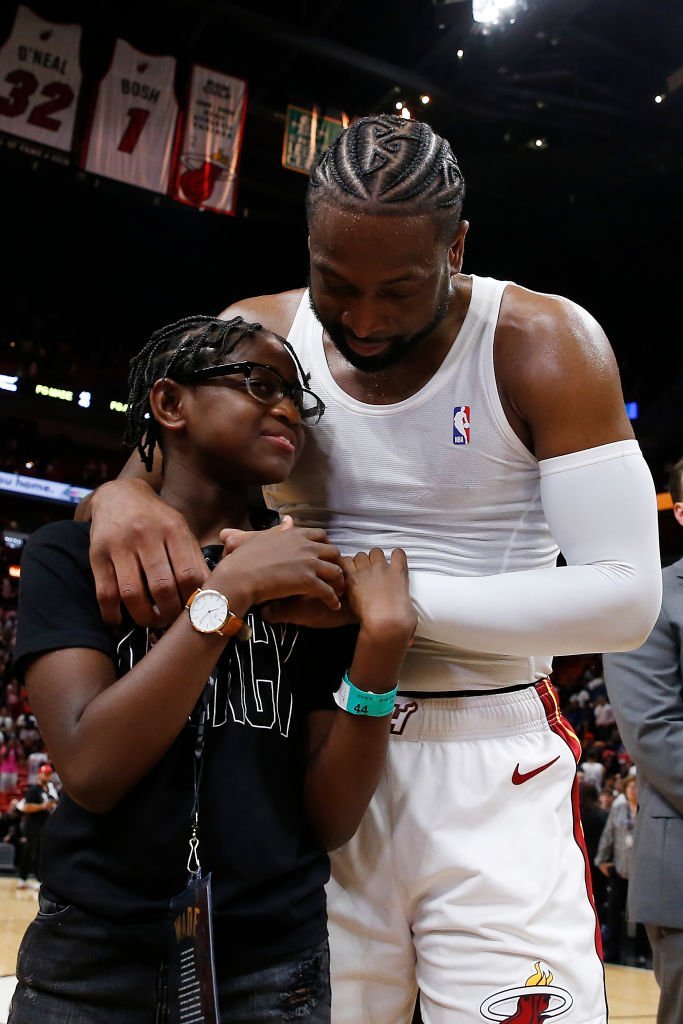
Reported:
(678, 511)
(166, 400)
(456, 251)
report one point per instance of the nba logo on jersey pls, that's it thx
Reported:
(461, 424)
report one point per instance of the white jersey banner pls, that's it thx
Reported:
(40, 78)
(206, 175)
(133, 125)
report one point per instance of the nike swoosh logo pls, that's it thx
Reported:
(519, 777)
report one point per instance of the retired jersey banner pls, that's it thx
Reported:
(40, 78)
(307, 135)
(133, 126)
(206, 173)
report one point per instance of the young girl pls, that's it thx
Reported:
(183, 870)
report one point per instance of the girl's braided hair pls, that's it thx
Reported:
(175, 351)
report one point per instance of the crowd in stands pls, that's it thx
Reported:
(27, 451)
(59, 351)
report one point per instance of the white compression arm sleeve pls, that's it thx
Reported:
(601, 508)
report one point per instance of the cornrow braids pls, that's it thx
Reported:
(393, 165)
(174, 351)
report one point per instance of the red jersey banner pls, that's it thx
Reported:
(40, 78)
(206, 174)
(133, 127)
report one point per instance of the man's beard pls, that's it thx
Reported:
(399, 346)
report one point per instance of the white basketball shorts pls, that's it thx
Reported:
(468, 876)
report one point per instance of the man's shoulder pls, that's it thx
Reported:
(530, 314)
(276, 312)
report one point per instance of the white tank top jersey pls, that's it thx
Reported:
(441, 474)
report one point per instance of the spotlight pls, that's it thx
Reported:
(488, 12)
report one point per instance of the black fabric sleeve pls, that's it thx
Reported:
(318, 662)
(57, 601)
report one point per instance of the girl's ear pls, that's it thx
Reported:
(166, 400)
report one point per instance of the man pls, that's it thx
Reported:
(467, 876)
(39, 801)
(646, 691)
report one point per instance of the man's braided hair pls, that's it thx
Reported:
(175, 351)
(389, 165)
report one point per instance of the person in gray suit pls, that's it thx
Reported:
(645, 688)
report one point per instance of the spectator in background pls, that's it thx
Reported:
(606, 798)
(593, 819)
(646, 689)
(6, 720)
(614, 856)
(34, 762)
(37, 805)
(593, 770)
(604, 717)
(10, 828)
(11, 754)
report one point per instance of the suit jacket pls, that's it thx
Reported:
(645, 689)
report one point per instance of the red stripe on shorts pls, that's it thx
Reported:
(561, 727)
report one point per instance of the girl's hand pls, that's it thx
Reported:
(377, 593)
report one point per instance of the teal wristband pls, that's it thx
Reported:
(364, 702)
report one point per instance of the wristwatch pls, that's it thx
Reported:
(209, 612)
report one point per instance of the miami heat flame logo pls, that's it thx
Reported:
(200, 175)
(532, 1003)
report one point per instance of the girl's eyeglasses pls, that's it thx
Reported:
(266, 385)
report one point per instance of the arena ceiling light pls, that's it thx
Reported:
(493, 12)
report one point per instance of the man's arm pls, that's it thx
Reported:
(134, 469)
(560, 388)
(142, 552)
(645, 691)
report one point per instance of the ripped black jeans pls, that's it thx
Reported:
(70, 972)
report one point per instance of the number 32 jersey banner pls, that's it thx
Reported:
(40, 78)
(133, 127)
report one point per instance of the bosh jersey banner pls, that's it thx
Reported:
(40, 78)
(134, 122)
(206, 172)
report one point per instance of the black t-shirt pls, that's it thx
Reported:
(33, 823)
(125, 865)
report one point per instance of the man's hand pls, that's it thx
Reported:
(143, 554)
(300, 610)
(283, 562)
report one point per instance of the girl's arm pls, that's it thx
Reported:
(347, 751)
(106, 733)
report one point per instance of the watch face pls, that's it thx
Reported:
(208, 611)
